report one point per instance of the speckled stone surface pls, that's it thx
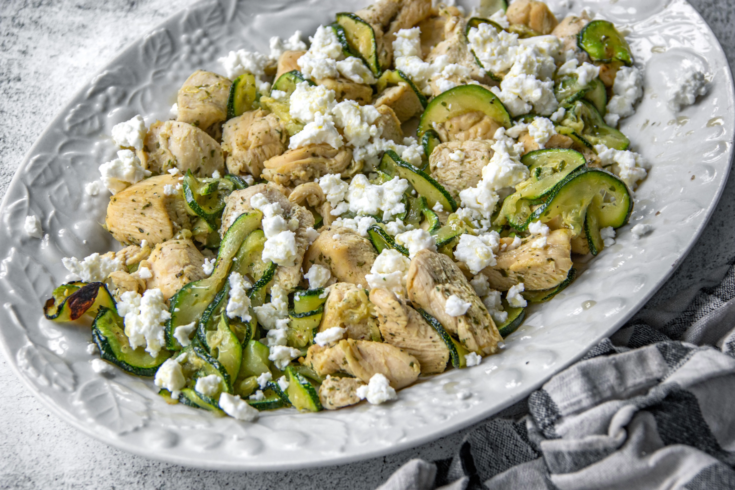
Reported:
(48, 50)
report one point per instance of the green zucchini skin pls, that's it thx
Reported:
(301, 392)
(308, 300)
(568, 91)
(422, 182)
(457, 351)
(304, 327)
(192, 398)
(461, 100)
(391, 78)
(109, 335)
(69, 302)
(429, 140)
(381, 240)
(516, 316)
(243, 94)
(604, 44)
(584, 118)
(272, 401)
(361, 40)
(288, 81)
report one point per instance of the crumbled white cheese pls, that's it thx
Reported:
(494, 304)
(377, 391)
(500, 18)
(208, 266)
(264, 379)
(279, 95)
(91, 349)
(541, 130)
(318, 276)
(585, 73)
(130, 134)
(684, 92)
(283, 383)
(357, 122)
(257, 396)
(307, 101)
(280, 246)
(558, 116)
(416, 241)
(274, 314)
(329, 336)
(182, 333)
(282, 355)
(320, 130)
(170, 377)
(94, 268)
(216, 175)
(99, 366)
(472, 359)
(438, 208)
(320, 61)
(477, 252)
(407, 43)
(237, 408)
(358, 224)
(93, 188)
(389, 271)
(480, 284)
(32, 227)
(457, 156)
(455, 306)
(628, 165)
(277, 336)
(238, 304)
(513, 245)
(495, 50)
(334, 188)
(366, 198)
(539, 242)
(173, 112)
(279, 46)
(608, 236)
(145, 318)
(119, 173)
(355, 70)
(627, 89)
(538, 228)
(171, 190)
(208, 385)
(640, 230)
(514, 297)
(241, 61)
(174, 171)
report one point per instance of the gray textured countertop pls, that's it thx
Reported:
(49, 50)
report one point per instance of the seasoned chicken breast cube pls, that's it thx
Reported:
(347, 306)
(345, 253)
(143, 211)
(431, 280)
(538, 268)
(174, 144)
(288, 62)
(466, 127)
(457, 165)
(337, 392)
(402, 99)
(391, 125)
(568, 30)
(532, 14)
(348, 90)
(251, 139)
(202, 101)
(403, 327)
(303, 165)
(173, 265)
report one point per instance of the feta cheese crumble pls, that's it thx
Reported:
(477, 252)
(329, 336)
(318, 276)
(277, 336)
(145, 318)
(241, 61)
(514, 297)
(640, 230)
(377, 391)
(473, 359)
(538, 228)
(321, 60)
(494, 304)
(130, 134)
(455, 306)
(144, 272)
(237, 408)
(257, 396)
(320, 130)
(283, 383)
(282, 355)
(238, 304)
(627, 90)
(686, 89)
(416, 241)
(389, 271)
(274, 314)
(584, 73)
(94, 268)
(264, 379)
(608, 236)
(280, 245)
(207, 385)
(541, 130)
(99, 366)
(307, 101)
(182, 333)
(170, 377)
(91, 349)
(208, 266)
(278, 46)
(480, 284)
(32, 227)
(335, 189)
(628, 165)
(366, 198)
(93, 188)
(123, 171)
(358, 224)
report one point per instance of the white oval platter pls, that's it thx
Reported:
(690, 153)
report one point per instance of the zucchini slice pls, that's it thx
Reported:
(424, 184)
(303, 327)
(246, 387)
(206, 198)
(396, 77)
(243, 95)
(288, 81)
(361, 39)
(568, 202)
(238, 183)
(489, 7)
(604, 43)
(514, 320)
(309, 300)
(197, 363)
(272, 401)
(548, 168)
(381, 240)
(580, 143)
(192, 398)
(568, 91)
(461, 100)
(189, 303)
(301, 392)
(109, 334)
(71, 301)
(282, 110)
(457, 351)
(452, 230)
(254, 360)
(547, 294)
(429, 141)
(583, 118)
(220, 341)
(592, 228)
(431, 217)
(248, 261)
(259, 290)
(414, 214)
(477, 21)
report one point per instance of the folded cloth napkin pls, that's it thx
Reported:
(648, 408)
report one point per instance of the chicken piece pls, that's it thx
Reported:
(402, 99)
(239, 202)
(474, 125)
(302, 165)
(143, 211)
(434, 277)
(556, 141)
(568, 30)
(433, 29)
(537, 268)
(391, 125)
(345, 253)
(173, 265)
(312, 195)
(337, 393)
(532, 14)
(176, 144)
(251, 139)
(133, 254)
(348, 307)
(120, 282)
(466, 172)
(608, 73)
(363, 359)
(347, 90)
(405, 328)
(202, 102)
(288, 62)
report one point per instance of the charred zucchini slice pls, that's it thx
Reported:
(243, 95)
(461, 100)
(71, 301)
(361, 39)
(604, 43)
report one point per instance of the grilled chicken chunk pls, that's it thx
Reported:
(402, 99)
(391, 125)
(556, 141)
(434, 277)
(174, 264)
(532, 14)
(466, 127)
(405, 328)
(177, 144)
(202, 101)
(347, 255)
(348, 307)
(537, 268)
(313, 196)
(568, 30)
(251, 139)
(433, 29)
(239, 202)
(348, 90)
(288, 62)
(337, 393)
(457, 165)
(363, 359)
(302, 165)
(144, 212)
(120, 282)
